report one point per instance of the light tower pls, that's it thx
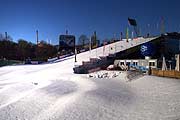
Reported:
(162, 27)
(37, 37)
(6, 36)
(127, 34)
(121, 36)
(66, 32)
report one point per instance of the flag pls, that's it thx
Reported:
(132, 22)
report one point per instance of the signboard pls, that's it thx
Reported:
(67, 41)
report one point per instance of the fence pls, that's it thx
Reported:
(166, 73)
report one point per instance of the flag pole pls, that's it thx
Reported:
(75, 51)
(90, 47)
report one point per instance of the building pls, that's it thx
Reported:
(141, 64)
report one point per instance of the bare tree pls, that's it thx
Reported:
(83, 40)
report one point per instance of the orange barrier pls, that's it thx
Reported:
(166, 73)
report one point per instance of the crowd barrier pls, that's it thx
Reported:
(166, 73)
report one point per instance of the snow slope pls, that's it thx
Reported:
(111, 49)
(53, 92)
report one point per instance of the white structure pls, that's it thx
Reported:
(112, 48)
(138, 62)
(177, 62)
(164, 66)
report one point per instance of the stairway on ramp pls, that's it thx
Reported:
(105, 55)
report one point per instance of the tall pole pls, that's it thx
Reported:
(149, 30)
(103, 48)
(6, 36)
(37, 37)
(90, 47)
(162, 26)
(50, 42)
(132, 35)
(114, 43)
(136, 31)
(121, 36)
(127, 34)
(179, 45)
(96, 51)
(75, 55)
(47, 41)
(75, 51)
(37, 40)
(96, 42)
(114, 37)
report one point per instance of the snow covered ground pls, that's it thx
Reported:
(53, 92)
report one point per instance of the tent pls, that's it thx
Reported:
(164, 67)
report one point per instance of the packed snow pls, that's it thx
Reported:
(54, 92)
(103, 74)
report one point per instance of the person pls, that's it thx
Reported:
(149, 70)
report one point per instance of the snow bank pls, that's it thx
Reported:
(104, 74)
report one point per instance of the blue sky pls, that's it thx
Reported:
(21, 18)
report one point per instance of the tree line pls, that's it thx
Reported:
(23, 50)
